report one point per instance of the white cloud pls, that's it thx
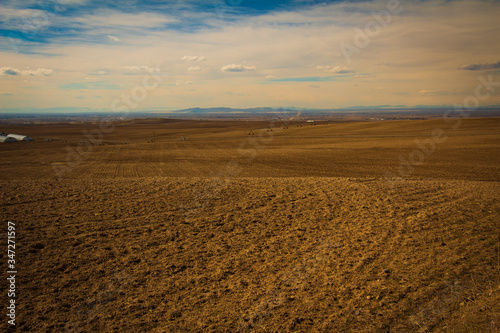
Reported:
(27, 72)
(100, 72)
(425, 92)
(114, 39)
(141, 68)
(194, 69)
(335, 70)
(9, 71)
(24, 19)
(37, 72)
(237, 68)
(193, 58)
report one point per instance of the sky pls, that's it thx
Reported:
(111, 55)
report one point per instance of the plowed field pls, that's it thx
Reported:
(199, 226)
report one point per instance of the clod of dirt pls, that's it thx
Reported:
(36, 247)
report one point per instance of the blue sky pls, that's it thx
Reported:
(167, 55)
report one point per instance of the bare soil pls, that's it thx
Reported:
(202, 226)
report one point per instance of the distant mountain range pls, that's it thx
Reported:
(260, 110)
(75, 112)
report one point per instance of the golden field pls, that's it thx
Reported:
(161, 225)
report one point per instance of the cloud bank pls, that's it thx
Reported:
(9, 71)
(237, 68)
